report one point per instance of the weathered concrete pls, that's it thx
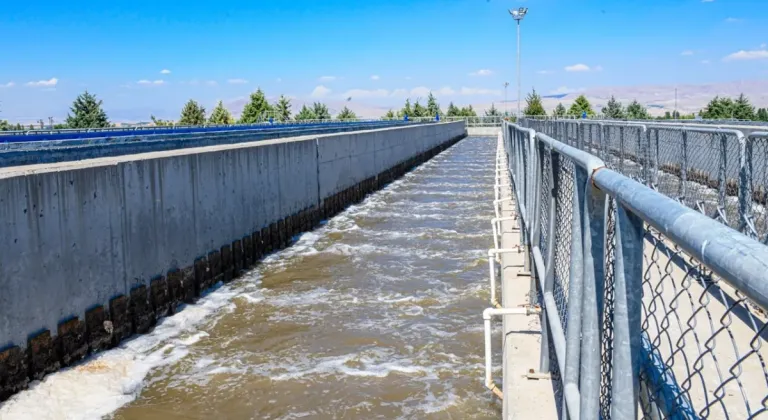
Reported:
(96, 250)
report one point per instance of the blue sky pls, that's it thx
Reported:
(378, 52)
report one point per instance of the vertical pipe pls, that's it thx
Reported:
(655, 157)
(745, 188)
(627, 333)
(621, 150)
(722, 178)
(594, 281)
(519, 90)
(554, 171)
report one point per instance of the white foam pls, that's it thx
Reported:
(103, 383)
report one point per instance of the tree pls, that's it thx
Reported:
(257, 109)
(762, 114)
(406, 109)
(533, 106)
(559, 111)
(743, 109)
(390, 115)
(492, 111)
(433, 108)
(467, 111)
(580, 106)
(346, 114)
(667, 115)
(192, 114)
(221, 115)
(283, 109)
(718, 108)
(87, 113)
(305, 114)
(321, 111)
(160, 123)
(418, 110)
(613, 109)
(636, 111)
(453, 111)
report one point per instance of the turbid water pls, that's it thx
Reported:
(376, 314)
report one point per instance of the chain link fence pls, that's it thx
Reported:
(653, 301)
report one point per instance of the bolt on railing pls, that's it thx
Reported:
(652, 303)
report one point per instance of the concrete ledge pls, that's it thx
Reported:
(140, 235)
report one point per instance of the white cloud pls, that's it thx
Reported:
(479, 91)
(420, 91)
(400, 93)
(747, 55)
(237, 81)
(564, 90)
(445, 90)
(687, 52)
(44, 83)
(7, 85)
(482, 72)
(375, 77)
(363, 93)
(320, 91)
(577, 67)
(151, 82)
(732, 20)
(327, 78)
(545, 72)
(165, 71)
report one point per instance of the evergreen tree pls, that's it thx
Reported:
(418, 110)
(433, 108)
(257, 109)
(743, 109)
(5, 126)
(533, 106)
(389, 115)
(321, 111)
(636, 111)
(283, 109)
(613, 109)
(346, 114)
(192, 114)
(87, 113)
(559, 111)
(579, 106)
(406, 109)
(667, 115)
(718, 108)
(453, 111)
(762, 114)
(160, 123)
(492, 111)
(468, 111)
(305, 114)
(221, 115)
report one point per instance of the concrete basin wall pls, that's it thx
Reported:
(97, 250)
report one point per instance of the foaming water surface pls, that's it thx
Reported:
(375, 314)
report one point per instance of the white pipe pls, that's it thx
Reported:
(487, 314)
(496, 205)
(496, 230)
(492, 253)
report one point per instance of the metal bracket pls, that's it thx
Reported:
(532, 374)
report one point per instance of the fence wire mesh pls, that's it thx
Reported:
(702, 352)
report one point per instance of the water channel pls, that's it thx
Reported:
(376, 314)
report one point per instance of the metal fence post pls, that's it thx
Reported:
(575, 287)
(745, 189)
(722, 179)
(627, 333)
(684, 168)
(655, 164)
(621, 149)
(549, 275)
(592, 306)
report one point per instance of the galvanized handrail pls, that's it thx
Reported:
(598, 241)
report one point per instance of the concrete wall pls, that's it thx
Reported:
(96, 250)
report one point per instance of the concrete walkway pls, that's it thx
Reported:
(524, 398)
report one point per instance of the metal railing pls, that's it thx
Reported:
(645, 301)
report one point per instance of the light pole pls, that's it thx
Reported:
(518, 15)
(506, 102)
